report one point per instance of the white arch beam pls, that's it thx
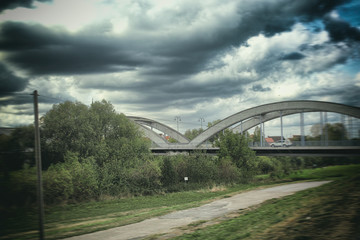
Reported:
(252, 122)
(309, 106)
(161, 127)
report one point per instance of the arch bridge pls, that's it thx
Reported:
(246, 120)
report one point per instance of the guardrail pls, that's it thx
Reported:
(312, 143)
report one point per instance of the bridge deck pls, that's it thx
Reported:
(330, 151)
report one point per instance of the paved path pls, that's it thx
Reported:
(166, 223)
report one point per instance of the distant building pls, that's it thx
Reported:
(276, 138)
(269, 140)
(164, 136)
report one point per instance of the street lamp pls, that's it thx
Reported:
(201, 120)
(177, 119)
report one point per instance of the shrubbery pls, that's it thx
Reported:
(93, 152)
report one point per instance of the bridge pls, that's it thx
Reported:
(247, 119)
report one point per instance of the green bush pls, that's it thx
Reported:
(145, 179)
(58, 185)
(169, 175)
(19, 189)
(201, 169)
(84, 176)
(227, 171)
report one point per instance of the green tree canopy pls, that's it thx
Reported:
(96, 131)
(335, 131)
(235, 147)
(191, 134)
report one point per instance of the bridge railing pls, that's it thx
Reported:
(312, 143)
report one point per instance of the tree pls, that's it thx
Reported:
(257, 134)
(216, 136)
(191, 134)
(315, 130)
(17, 149)
(335, 131)
(235, 147)
(66, 127)
(96, 131)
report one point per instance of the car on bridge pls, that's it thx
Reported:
(281, 143)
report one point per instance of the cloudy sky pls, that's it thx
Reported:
(160, 59)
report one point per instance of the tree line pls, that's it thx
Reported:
(92, 152)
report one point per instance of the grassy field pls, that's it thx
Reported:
(331, 211)
(258, 223)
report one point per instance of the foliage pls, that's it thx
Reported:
(84, 176)
(73, 219)
(57, 182)
(257, 134)
(335, 131)
(169, 175)
(91, 131)
(191, 134)
(92, 152)
(235, 147)
(216, 136)
(228, 172)
(17, 149)
(309, 214)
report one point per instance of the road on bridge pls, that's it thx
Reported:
(169, 222)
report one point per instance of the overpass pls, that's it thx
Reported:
(246, 119)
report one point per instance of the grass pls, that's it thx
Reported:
(331, 211)
(75, 219)
(325, 173)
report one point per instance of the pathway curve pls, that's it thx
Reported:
(167, 223)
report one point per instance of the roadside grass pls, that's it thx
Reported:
(325, 173)
(331, 211)
(76, 219)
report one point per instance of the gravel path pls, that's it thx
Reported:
(167, 223)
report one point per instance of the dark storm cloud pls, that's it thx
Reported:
(15, 99)
(293, 56)
(259, 88)
(41, 50)
(267, 17)
(348, 95)
(9, 82)
(340, 30)
(11, 4)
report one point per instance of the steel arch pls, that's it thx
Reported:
(248, 118)
(161, 127)
(287, 106)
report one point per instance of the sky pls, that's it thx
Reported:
(193, 59)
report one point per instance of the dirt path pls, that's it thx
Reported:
(167, 223)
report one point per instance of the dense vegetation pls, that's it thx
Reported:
(92, 152)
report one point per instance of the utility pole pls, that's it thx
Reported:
(201, 120)
(261, 131)
(281, 126)
(177, 119)
(38, 167)
(302, 130)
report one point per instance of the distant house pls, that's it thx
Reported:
(269, 140)
(164, 136)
